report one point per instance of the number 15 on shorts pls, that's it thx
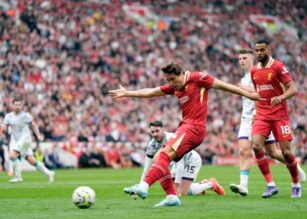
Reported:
(190, 169)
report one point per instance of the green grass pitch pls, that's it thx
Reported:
(35, 198)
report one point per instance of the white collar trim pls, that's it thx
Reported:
(186, 77)
(268, 65)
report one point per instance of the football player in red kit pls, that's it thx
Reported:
(191, 88)
(272, 115)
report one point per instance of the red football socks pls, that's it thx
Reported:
(263, 165)
(292, 167)
(160, 171)
(167, 184)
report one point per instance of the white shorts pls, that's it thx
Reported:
(191, 167)
(245, 131)
(23, 146)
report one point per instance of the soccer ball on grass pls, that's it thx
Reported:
(83, 197)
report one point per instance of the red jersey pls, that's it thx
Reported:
(193, 97)
(267, 83)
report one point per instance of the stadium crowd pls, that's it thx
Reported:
(63, 56)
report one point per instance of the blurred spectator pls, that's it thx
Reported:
(91, 159)
(125, 157)
(52, 159)
(137, 154)
(112, 156)
(98, 155)
(208, 156)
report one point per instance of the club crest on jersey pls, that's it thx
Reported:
(270, 76)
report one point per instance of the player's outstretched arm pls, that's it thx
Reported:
(142, 93)
(220, 85)
(290, 90)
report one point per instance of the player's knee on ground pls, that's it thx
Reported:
(185, 186)
(184, 190)
(184, 193)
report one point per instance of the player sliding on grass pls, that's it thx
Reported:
(184, 172)
(191, 88)
(246, 60)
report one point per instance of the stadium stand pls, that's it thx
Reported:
(63, 56)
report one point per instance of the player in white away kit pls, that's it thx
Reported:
(17, 124)
(246, 59)
(184, 172)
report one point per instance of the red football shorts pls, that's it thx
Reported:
(281, 129)
(186, 138)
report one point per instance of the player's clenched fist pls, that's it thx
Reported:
(275, 101)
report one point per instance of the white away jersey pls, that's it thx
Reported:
(248, 105)
(19, 125)
(154, 146)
